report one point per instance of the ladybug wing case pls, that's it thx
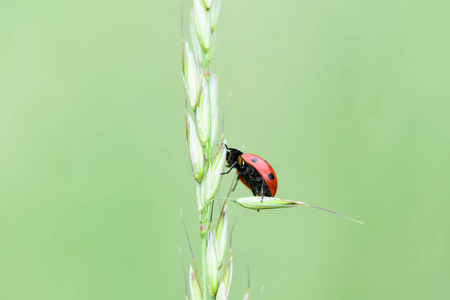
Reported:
(264, 169)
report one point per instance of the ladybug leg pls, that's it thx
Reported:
(262, 192)
(229, 170)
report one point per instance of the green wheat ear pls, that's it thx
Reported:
(202, 123)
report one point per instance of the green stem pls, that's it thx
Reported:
(205, 213)
(204, 235)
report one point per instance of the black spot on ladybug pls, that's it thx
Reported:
(254, 159)
(271, 177)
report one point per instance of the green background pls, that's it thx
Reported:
(348, 100)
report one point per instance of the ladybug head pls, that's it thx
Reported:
(232, 156)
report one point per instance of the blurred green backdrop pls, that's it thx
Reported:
(348, 100)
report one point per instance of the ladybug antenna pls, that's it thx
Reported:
(333, 212)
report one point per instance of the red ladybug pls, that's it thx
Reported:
(258, 175)
(254, 172)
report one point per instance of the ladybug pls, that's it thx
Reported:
(254, 172)
(258, 175)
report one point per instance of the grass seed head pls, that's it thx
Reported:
(200, 195)
(202, 25)
(255, 203)
(195, 149)
(212, 276)
(192, 78)
(221, 292)
(214, 14)
(197, 50)
(207, 3)
(194, 286)
(203, 114)
(213, 177)
(227, 275)
(221, 236)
